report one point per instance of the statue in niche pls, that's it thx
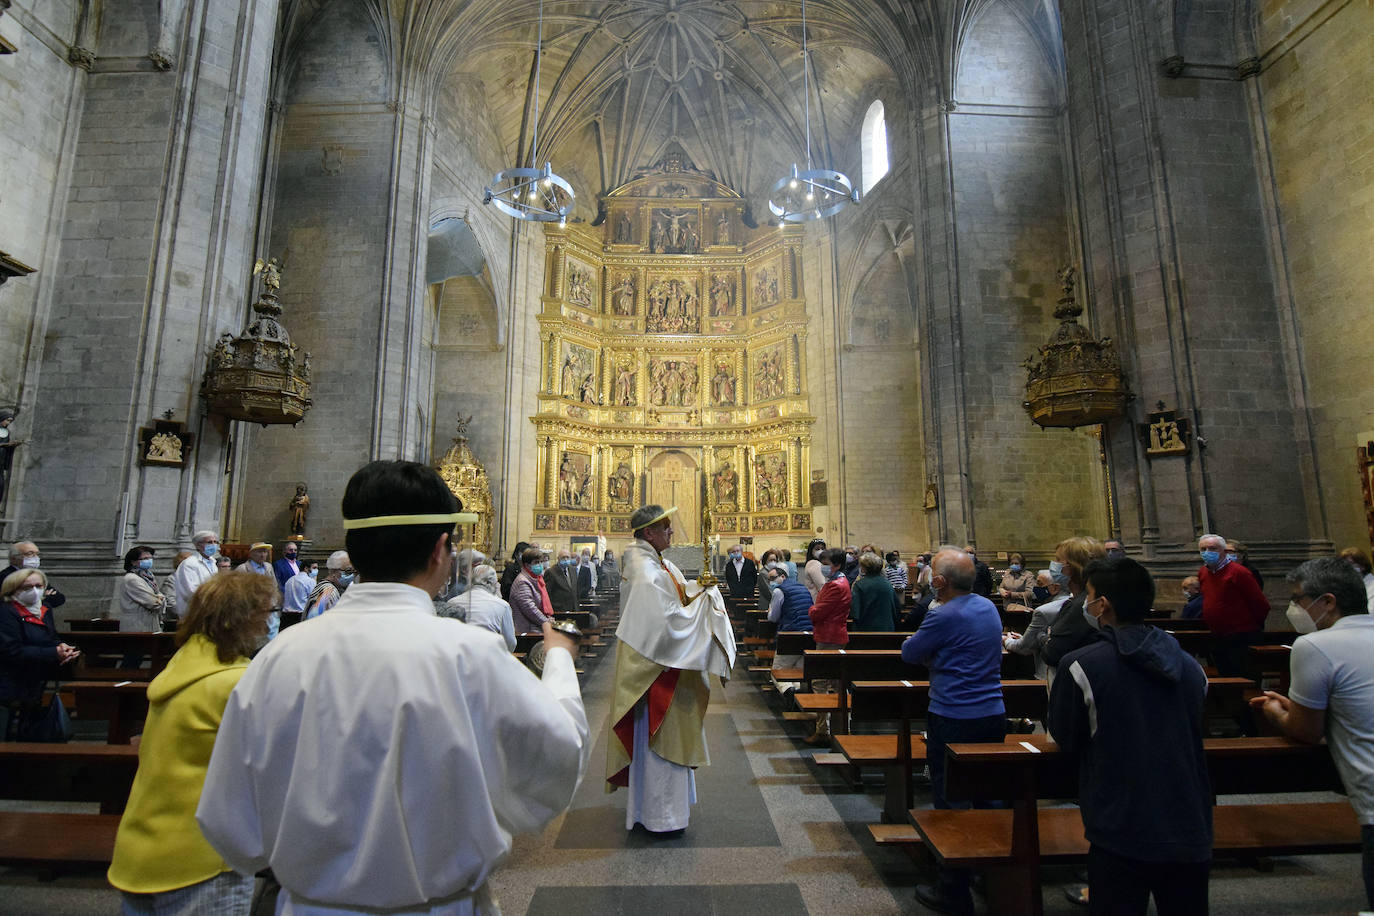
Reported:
(164, 447)
(770, 482)
(723, 386)
(675, 232)
(722, 299)
(656, 237)
(574, 481)
(673, 308)
(624, 389)
(587, 392)
(580, 286)
(299, 507)
(726, 486)
(624, 229)
(768, 381)
(568, 386)
(688, 373)
(723, 228)
(622, 484)
(624, 301)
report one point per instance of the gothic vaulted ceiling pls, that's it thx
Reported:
(624, 81)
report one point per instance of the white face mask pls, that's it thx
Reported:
(29, 597)
(30, 563)
(1301, 620)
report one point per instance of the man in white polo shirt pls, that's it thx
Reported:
(1332, 690)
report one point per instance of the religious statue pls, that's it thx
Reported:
(723, 386)
(656, 237)
(770, 482)
(271, 273)
(768, 381)
(721, 296)
(568, 388)
(723, 228)
(164, 447)
(580, 286)
(765, 287)
(622, 484)
(299, 507)
(624, 229)
(726, 485)
(624, 394)
(624, 302)
(587, 393)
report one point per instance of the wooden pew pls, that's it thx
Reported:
(1199, 642)
(904, 701)
(123, 704)
(1010, 845)
(113, 647)
(63, 772)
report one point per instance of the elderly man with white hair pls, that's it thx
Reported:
(26, 555)
(338, 576)
(482, 606)
(195, 570)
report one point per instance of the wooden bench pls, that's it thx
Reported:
(1199, 642)
(98, 773)
(123, 704)
(112, 647)
(1010, 845)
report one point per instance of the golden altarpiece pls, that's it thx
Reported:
(672, 366)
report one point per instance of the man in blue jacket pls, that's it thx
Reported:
(1130, 705)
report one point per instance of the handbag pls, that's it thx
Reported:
(47, 724)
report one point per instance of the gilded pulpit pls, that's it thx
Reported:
(672, 342)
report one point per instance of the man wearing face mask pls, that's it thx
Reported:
(1113, 548)
(379, 759)
(288, 565)
(960, 641)
(1192, 599)
(982, 573)
(1331, 693)
(1130, 707)
(298, 588)
(562, 583)
(196, 569)
(1049, 595)
(337, 578)
(26, 555)
(1233, 606)
(741, 574)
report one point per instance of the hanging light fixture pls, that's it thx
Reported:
(814, 193)
(530, 193)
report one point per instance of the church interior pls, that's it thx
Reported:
(1093, 267)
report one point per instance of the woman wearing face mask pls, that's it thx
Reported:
(140, 602)
(771, 560)
(812, 575)
(1071, 628)
(1017, 583)
(529, 597)
(224, 623)
(30, 650)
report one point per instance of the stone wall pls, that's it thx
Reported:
(1319, 115)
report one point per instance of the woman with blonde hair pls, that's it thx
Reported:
(224, 623)
(1072, 628)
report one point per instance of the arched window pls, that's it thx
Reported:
(873, 146)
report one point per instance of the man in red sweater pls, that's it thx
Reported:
(830, 625)
(1233, 605)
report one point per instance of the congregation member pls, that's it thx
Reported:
(770, 560)
(741, 574)
(873, 603)
(982, 579)
(380, 759)
(298, 588)
(610, 570)
(464, 562)
(30, 650)
(529, 596)
(26, 555)
(789, 608)
(829, 623)
(561, 583)
(259, 563)
(512, 568)
(1071, 629)
(811, 574)
(1051, 591)
(672, 636)
(192, 572)
(851, 564)
(788, 562)
(223, 563)
(482, 606)
(1192, 598)
(1237, 552)
(1331, 686)
(960, 642)
(586, 574)
(1233, 606)
(897, 575)
(1114, 548)
(1129, 706)
(288, 565)
(223, 626)
(1017, 582)
(1360, 560)
(168, 588)
(141, 604)
(338, 576)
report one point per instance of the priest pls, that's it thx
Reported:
(672, 636)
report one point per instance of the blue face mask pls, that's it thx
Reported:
(1210, 557)
(210, 549)
(827, 571)
(314, 573)
(565, 562)
(736, 556)
(537, 569)
(346, 579)
(145, 564)
(1016, 567)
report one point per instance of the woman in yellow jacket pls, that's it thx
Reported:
(162, 863)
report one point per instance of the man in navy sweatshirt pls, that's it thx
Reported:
(960, 641)
(1131, 707)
